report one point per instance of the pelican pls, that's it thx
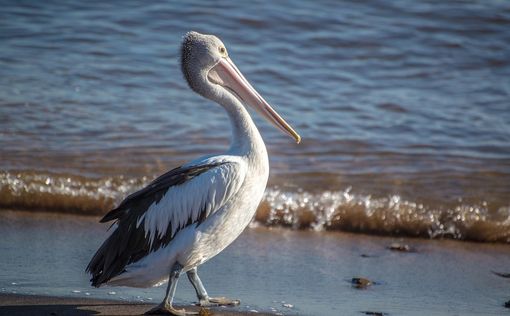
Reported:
(191, 213)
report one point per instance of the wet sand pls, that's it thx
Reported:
(34, 305)
(275, 271)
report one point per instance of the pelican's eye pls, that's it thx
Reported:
(223, 51)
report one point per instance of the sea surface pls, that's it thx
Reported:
(403, 108)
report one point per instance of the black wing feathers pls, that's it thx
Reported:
(128, 243)
(157, 188)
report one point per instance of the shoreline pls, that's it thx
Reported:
(271, 270)
(35, 305)
(260, 221)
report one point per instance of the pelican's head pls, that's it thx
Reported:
(209, 71)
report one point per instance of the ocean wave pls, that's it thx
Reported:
(347, 211)
(342, 210)
(63, 193)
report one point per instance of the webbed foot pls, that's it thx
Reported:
(164, 309)
(218, 301)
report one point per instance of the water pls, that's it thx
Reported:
(266, 268)
(403, 108)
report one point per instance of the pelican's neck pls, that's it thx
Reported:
(246, 139)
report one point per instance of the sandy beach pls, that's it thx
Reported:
(271, 270)
(14, 305)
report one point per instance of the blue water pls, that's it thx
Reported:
(403, 107)
(406, 100)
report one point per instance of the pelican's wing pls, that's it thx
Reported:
(150, 218)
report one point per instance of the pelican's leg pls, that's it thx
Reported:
(203, 298)
(166, 307)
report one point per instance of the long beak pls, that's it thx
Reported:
(226, 74)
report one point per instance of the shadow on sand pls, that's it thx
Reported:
(14, 305)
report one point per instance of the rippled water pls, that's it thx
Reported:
(403, 107)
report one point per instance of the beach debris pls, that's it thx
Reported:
(112, 293)
(374, 313)
(361, 283)
(204, 312)
(287, 305)
(507, 304)
(399, 247)
(501, 274)
(366, 255)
